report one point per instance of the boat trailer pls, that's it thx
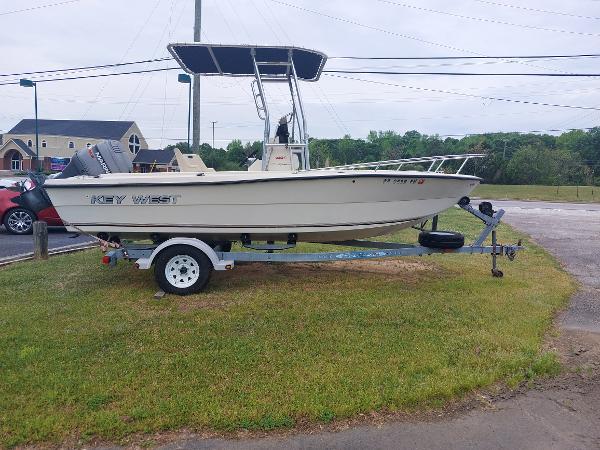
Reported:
(183, 265)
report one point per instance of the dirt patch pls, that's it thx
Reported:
(380, 266)
(249, 275)
(579, 352)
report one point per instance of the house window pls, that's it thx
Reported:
(134, 144)
(16, 161)
(71, 144)
(44, 144)
(29, 143)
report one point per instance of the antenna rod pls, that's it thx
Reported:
(196, 90)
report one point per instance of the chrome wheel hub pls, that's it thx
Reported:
(20, 221)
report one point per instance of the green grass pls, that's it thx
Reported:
(86, 352)
(582, 194)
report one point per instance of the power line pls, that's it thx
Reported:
(129, 47)
(391, 33)
(483, 19)
(440, 64)
(415, 58)
(369, 58)
(464, 94)
(49, 5)
(96, 75)
(478, 133)
(142, 90)
(329, 72)
(85, 68)
(547, 11)
(551, 130)
(467, 74)
(369, 27)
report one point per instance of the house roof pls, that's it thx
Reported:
(154, 156)
(97, 129)
(19, 143)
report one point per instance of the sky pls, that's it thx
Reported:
(55, 34)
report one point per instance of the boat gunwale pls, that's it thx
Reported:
(350, 174)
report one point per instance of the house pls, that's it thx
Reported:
(155, 161)
(60, 139)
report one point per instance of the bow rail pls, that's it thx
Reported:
(436, 162)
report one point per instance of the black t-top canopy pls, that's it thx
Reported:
(236, 60)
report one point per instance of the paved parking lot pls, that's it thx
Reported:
(12, 245)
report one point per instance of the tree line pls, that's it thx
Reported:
(572, 158)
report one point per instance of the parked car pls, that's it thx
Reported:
(18, 219)
(8, 182)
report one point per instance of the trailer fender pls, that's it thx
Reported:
(218, 264)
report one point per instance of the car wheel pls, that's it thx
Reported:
(19, 221)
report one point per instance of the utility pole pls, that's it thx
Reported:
(196, 90)
(213, 127)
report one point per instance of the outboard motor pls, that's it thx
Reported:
(105, 157)
(102, 158)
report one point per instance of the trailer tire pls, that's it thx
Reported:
(182, 270)
(441, 239)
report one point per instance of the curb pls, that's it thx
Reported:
(51, 252)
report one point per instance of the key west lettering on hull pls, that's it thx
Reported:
(155, 199)
(134, 199)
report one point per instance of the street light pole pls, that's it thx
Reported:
(213, 130)
(28, 83)
(37, 133)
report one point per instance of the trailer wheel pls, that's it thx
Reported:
(182, 270)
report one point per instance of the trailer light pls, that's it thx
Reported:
(136, 265)
(106, 259)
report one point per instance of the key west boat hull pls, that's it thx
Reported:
(314, 205)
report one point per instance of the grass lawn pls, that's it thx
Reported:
(582, 194)
(85, 351)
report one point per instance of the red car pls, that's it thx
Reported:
(18, 219)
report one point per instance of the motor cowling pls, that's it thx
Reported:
(103, 158)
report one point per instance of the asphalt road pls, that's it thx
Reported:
(562, 413)
(12, 245)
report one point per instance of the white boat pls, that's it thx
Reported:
(280, 197)
(316, 205)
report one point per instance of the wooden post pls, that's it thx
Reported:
(40, 240)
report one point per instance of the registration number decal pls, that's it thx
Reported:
(404, 181)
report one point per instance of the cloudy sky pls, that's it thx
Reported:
(92, 32)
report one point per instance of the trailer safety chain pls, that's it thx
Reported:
(104, 244)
